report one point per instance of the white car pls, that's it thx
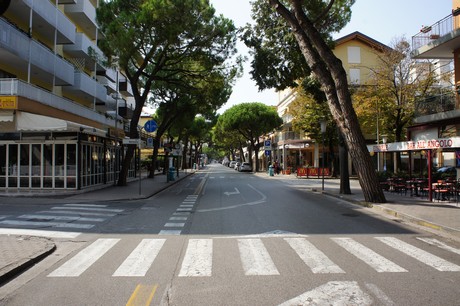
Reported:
(245, 167)
(232, 164)
(237, 166)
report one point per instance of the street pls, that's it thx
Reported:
(221, 237)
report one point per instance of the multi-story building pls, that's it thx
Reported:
(62, 112)
(434, 134)
(358, 54)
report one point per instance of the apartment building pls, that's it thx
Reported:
(358, 54)
(63, 113)
(433, 137)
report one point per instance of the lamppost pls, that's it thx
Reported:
(323, 131)
(384, 141)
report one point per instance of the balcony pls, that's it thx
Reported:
(45, 19)
(86, 89)
(15, 87)
(437, 41)
(83, 14)
(435, 105)
(125, 87)
(18, 49)
(85, 49)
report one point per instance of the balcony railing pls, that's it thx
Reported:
(435, 31)
(440, 103)
(15, 87)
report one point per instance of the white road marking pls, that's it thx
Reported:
(170, 232)
(314, 258)
(198, 258)
(81, 213)
(376, 261)
(61, 218)
(39, 233)
(427, 258)
(86, 205)
(186, 206)
(140, 260)
(181, 213)
(439, 244)
(46, 224)
(383, 298)
(84, 259)
(333, 293)
(178, 218)
(171, 224)
(88, 209)
(255, 258)
(184, 209)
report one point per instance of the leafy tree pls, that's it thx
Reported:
(308, 22)
(175, 42)
(251, 120)
(390, 95)
(308, 109)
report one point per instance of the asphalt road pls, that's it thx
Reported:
(221, 237)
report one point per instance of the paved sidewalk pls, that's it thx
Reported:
(17, 253)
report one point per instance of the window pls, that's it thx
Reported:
(354, 55)
(355, 76)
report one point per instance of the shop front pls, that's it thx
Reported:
(65, 157)
(430, 154)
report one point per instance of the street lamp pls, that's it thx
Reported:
(323, 131)
(384, 141)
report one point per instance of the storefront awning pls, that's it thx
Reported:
(6, 116)
(32, 122)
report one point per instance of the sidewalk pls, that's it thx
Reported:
(17, 253)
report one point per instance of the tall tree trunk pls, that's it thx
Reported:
(329, 71)
(344, 174)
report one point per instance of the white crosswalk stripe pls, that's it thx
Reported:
(255, 259)
(376, 261)
(140, 260)
(66, 216)
(419, 254)
(84, 259)
(198, 258)
(314, 258)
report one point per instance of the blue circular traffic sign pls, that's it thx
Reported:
(150, 126)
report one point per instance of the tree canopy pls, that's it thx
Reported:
(160, 44)
(302, 18)
(250, 120)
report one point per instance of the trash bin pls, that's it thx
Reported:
(270, 170)
(171, 174)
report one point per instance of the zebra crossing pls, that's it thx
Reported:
(63, 217)
(254, 256)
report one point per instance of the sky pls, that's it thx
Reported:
(382, 20)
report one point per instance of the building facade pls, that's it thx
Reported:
(294, 150)
(63, 114)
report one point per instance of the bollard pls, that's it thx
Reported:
(270, 170)
(171, 174)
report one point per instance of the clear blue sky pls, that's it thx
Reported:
(382, 20)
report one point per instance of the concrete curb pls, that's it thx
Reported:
(13, 269)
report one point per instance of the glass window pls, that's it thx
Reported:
(354, 55)
(59, 155)
(36, 159)
(3, 166)
(47, 160)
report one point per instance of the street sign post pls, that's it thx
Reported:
(267, 145)
(150, 126)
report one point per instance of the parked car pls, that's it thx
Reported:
(245, 167)
(237, 166)
(232, 164)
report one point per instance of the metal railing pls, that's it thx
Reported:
(440, 103)
(429, 33)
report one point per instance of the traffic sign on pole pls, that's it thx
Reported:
(150, 126)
